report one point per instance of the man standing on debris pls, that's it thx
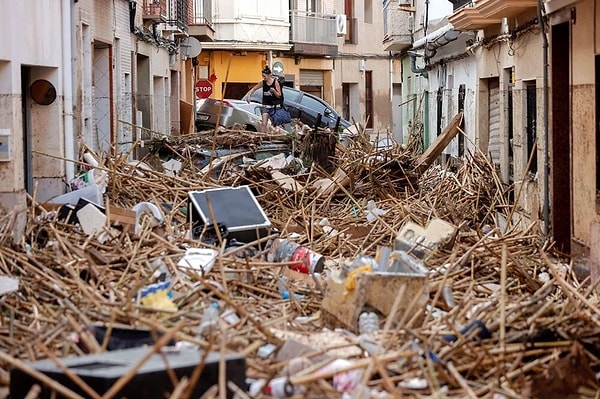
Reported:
(271, 98)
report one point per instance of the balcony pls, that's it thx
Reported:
(396, 26)
(200, 21)
(313, 34)
(254, 25)
(178, 16)
(484, 13)
(154, 10)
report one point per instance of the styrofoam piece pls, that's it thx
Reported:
(92, 193)
(8, 285)
(172, 167)
(91, 219)
(200, 259)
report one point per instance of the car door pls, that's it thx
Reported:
(291, 101)
(328, 115)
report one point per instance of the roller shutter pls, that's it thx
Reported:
(311, 77)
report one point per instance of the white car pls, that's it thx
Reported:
(209, 109)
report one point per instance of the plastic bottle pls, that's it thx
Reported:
(368, 322)
(278, 388)
(210, 320)
(447, 293)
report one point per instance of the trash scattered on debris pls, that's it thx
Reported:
(195, 272)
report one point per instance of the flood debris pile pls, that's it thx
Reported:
(368, 278)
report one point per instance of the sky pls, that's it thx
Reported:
(439, 9)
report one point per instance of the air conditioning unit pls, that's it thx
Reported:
(340, 24)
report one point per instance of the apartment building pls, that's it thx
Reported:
(525, 74)
(297, 39)
(83, 73)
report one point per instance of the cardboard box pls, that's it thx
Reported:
(374, 291)
(123, 217)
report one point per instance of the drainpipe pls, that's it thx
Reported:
(426, 17)
(413, 64)
(391, 77)
(67, 50)
(545, 116)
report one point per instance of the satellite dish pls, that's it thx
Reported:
(190, 47)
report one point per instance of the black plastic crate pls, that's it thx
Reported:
(101, 371)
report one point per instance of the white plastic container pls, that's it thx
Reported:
(199, 259)
(91, 193)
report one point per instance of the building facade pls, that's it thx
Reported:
(365, 84)
(525, 74)
(92, 74)
(36, 101)
(316, 45)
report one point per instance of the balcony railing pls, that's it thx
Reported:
(178, 15)
(458, 4)
(155, 10)
(313, 28)
(201, 12)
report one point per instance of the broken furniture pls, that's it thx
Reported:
(419, 241)
(234, 210)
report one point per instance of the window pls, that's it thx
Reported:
(351, 30)
(369, 98)
(313, 103)
(368, 11)
(531, 103)
(461, 108)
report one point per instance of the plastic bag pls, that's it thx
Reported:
(281, 116)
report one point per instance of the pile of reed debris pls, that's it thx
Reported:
(535, 321)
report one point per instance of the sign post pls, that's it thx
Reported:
(204, 88)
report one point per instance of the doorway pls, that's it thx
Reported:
(26, 112)
(103, 135)
(369, 99)
(560, 219)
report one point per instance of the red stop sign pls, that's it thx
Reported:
(204, 88)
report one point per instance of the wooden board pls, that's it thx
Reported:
(187, 120)
(441, 142)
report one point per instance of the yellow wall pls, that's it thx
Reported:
(247, 69)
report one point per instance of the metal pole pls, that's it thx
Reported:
(545, 116)
(194, 93)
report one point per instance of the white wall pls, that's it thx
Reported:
(439, 9)
(32, 38)
(450, 77)
(265, 21)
